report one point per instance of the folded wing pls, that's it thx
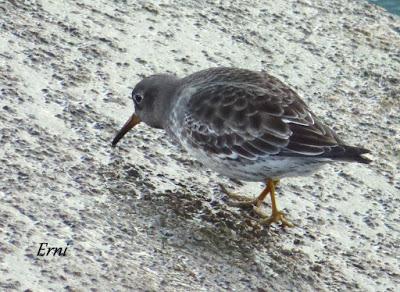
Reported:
(246, 120)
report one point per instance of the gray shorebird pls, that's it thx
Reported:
(243, 124)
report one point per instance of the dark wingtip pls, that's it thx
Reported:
(356, 154)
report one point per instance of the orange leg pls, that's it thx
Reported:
(243, 201)
(276, 216)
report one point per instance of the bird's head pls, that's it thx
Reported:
(151, 97)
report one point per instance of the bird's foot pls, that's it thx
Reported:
(239, 200)
(242, 201)
(276, 217)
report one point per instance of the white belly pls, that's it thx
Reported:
(256, 170)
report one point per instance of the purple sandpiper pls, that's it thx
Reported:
(246, 125)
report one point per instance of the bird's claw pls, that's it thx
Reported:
(277, 217)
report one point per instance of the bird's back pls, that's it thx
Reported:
(242, 115)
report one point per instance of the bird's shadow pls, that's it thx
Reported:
(188, 217)
(193, 221)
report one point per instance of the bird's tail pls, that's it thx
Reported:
(351, 153)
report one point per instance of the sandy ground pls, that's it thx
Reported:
(145, 215)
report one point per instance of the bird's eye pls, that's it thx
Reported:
(137, 97)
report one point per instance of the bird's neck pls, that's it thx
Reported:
(169, 95)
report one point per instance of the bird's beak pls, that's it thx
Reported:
(133, 121)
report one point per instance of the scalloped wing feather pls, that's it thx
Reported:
(255, 115)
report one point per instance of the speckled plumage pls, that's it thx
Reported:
(243, 124)
(249, 125)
